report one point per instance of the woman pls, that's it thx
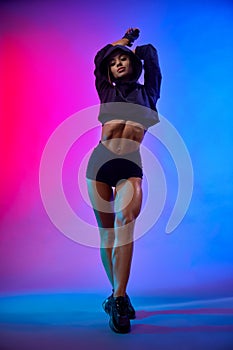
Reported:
(114, 172)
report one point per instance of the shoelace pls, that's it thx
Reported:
(121, 306)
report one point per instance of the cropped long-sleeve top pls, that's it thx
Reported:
(129, 100)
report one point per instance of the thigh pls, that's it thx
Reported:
(101, 197)
(128, 197)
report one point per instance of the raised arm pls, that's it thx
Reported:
(152, 72)
(128, 39)
(101, 81)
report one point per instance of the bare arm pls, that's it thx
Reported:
(124, 41)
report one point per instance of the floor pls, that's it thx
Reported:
(77, 321)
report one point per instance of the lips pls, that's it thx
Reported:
(119, 70)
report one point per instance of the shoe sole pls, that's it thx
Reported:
(116, 330)
(132, 317)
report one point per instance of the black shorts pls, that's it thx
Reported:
(110, 168)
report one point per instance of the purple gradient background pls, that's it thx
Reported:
(46, 66)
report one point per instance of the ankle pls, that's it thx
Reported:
(119, 293)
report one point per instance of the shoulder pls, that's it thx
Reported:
(144, 50)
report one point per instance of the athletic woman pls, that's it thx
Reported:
(114, 172)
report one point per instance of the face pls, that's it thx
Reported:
(120, 66)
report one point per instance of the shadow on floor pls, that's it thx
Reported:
(76, 321)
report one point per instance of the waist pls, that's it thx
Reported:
(105, 153)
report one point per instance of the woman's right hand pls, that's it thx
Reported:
(131, 34)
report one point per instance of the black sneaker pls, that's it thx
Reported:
(131, 311)
(107, 305)
(119, 320)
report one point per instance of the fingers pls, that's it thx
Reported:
(131, 34)
(129, 30)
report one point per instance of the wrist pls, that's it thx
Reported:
(131, 35)
(123, 42)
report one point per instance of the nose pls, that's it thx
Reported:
(118, 63)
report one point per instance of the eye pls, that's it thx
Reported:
(111, 63)
(123, 58)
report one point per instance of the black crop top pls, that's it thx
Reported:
(127, 100)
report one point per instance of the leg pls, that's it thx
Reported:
(101, 196)
(127, 207)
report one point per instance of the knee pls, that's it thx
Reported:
(124, 217)
(107, 237)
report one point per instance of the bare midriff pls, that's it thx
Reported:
(122, 136)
